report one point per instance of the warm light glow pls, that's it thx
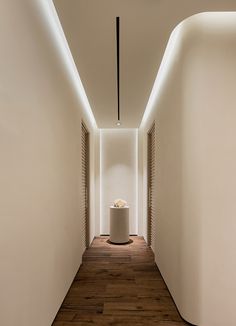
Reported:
(118, 123)
(166, 64)
(116, 169)
(50, 15)
(204, 20)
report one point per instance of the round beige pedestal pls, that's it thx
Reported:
(119, 224)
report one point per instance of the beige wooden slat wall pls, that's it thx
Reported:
(85, 184)
(151, 187)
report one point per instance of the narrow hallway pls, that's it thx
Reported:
(118, 285)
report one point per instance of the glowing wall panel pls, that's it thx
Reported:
(118, 159)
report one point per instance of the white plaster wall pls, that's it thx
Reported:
(211, 70)
(194, 111)
(118, 153)
(40, 165)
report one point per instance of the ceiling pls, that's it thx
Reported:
(145, 27)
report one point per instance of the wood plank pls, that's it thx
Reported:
(118, 285)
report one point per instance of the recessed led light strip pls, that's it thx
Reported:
(51, 18)
(166, 64)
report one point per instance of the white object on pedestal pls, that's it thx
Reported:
(119, 224)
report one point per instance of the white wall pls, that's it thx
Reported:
(118, 157)
(40, 179)
(194, 112)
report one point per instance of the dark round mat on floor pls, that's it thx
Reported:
(120, 244)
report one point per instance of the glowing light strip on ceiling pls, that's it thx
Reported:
(166, 64)
(50, 14)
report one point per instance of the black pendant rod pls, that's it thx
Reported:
(118, 63)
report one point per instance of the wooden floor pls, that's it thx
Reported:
(118, 285)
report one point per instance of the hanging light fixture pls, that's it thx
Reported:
(118, 123)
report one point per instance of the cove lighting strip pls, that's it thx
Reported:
(166, 64)
(50, 15)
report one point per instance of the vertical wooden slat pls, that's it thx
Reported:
(85, 183)
(151, 187)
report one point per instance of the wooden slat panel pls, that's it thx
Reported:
(151, 186)
(85, 184)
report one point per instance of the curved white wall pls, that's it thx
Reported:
(41, 111)
(194, 110)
